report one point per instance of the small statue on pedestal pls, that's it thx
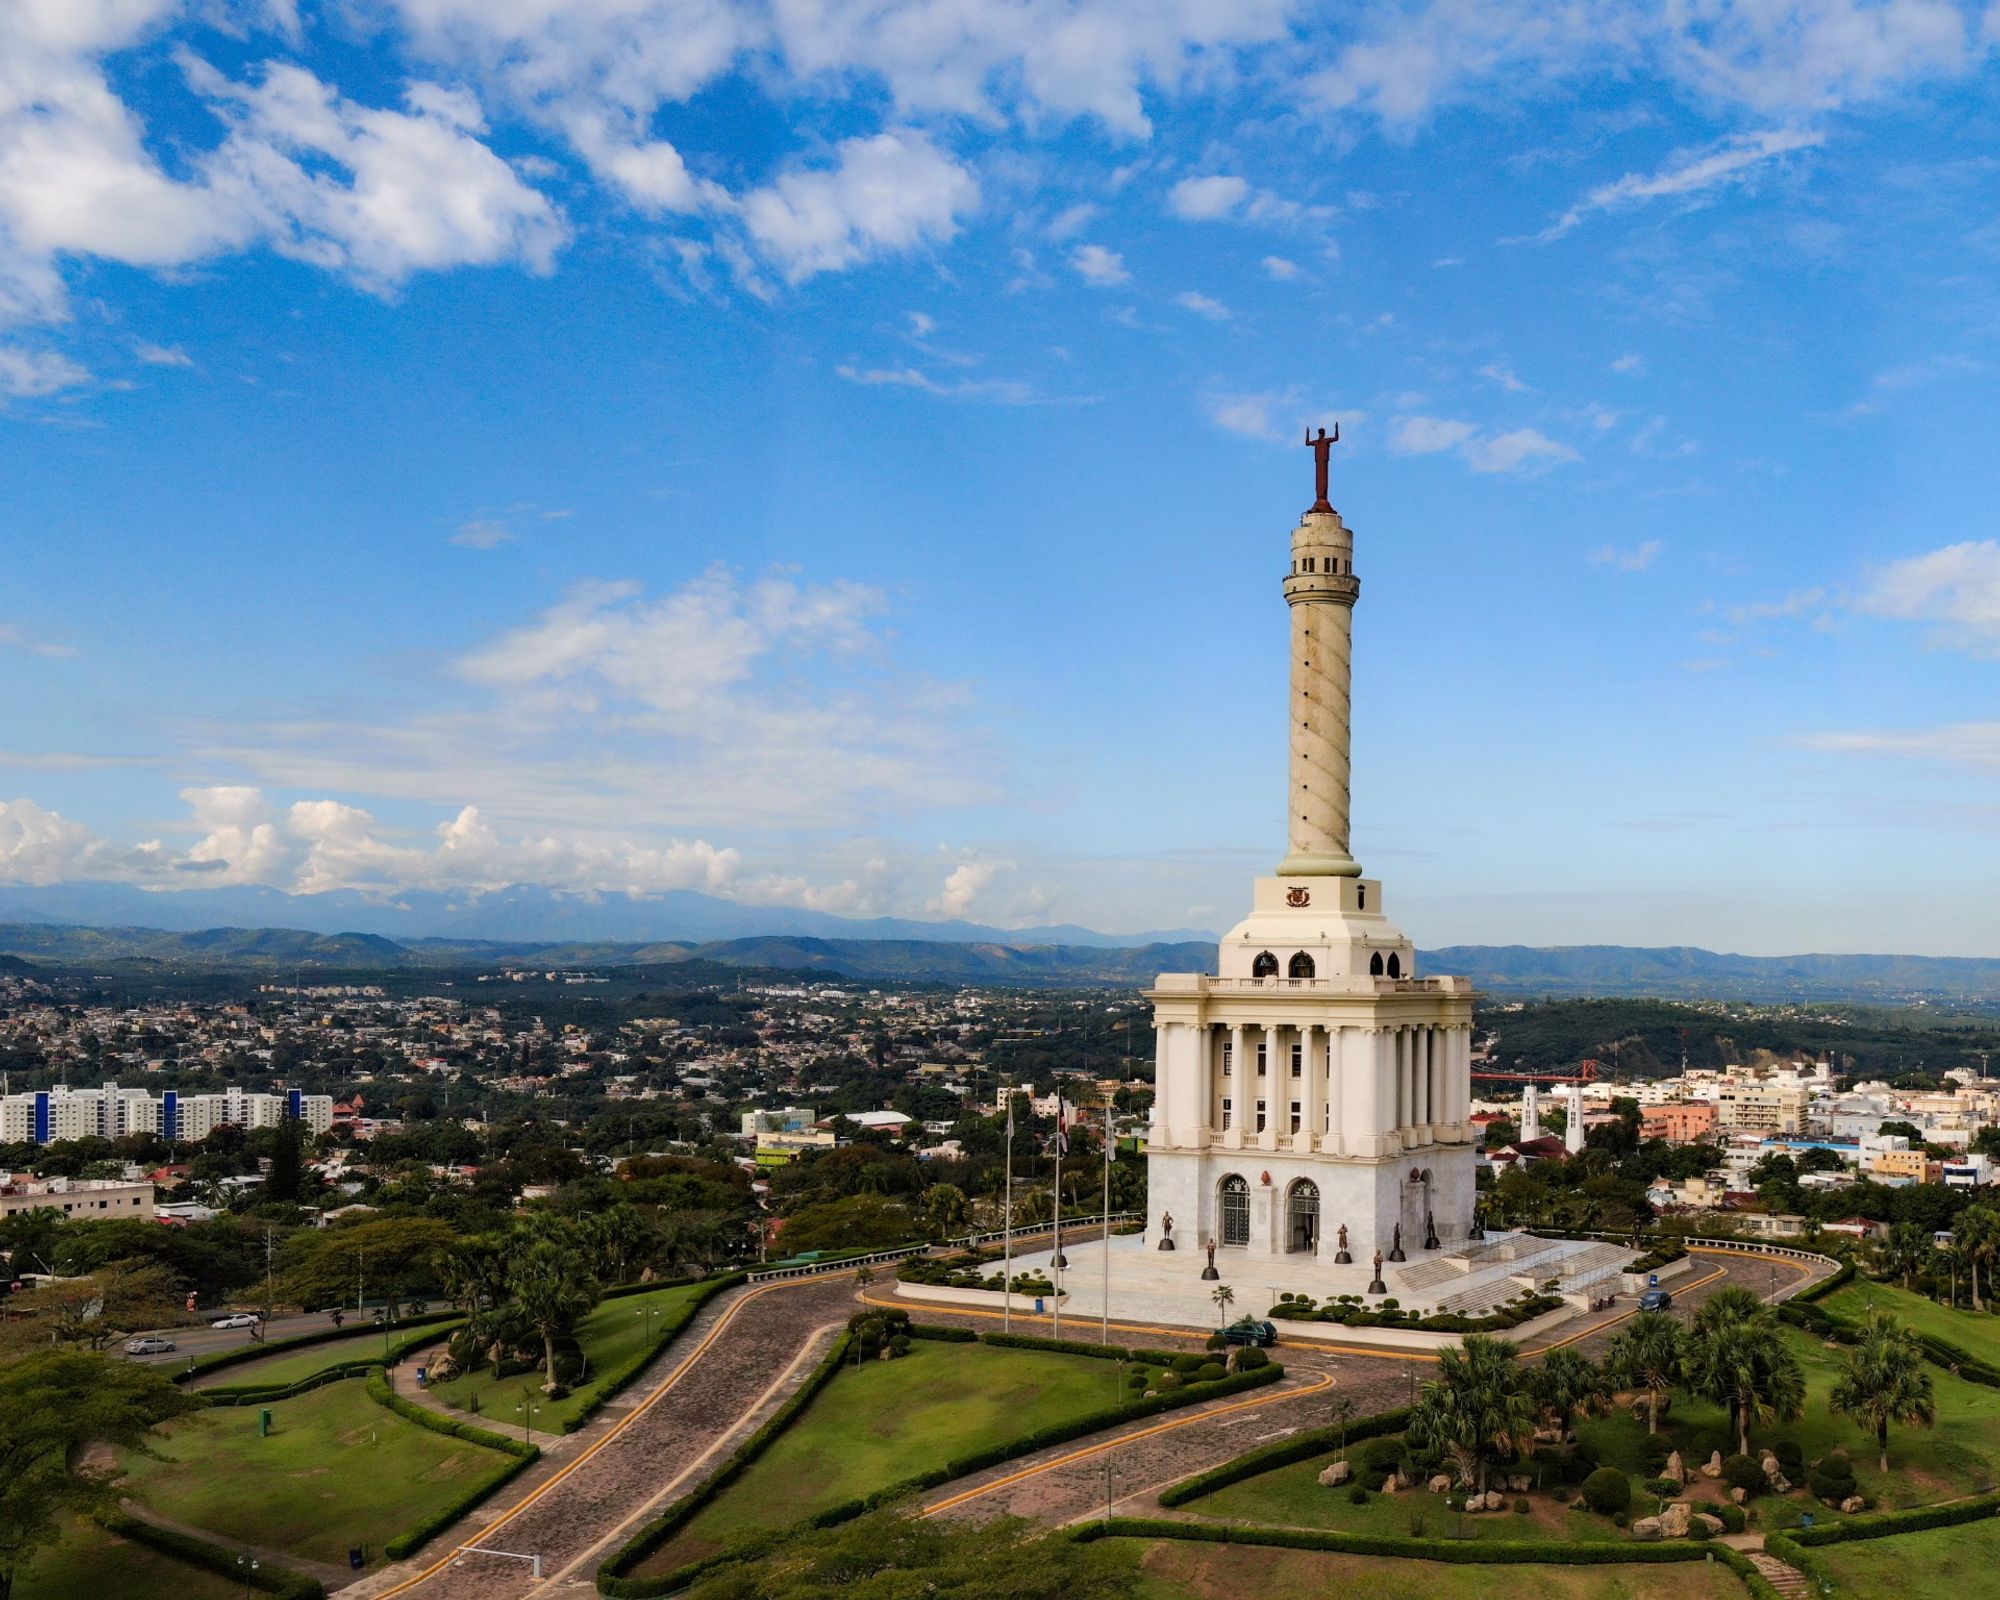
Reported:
(1476, 1232)
(1378, 1286)
(1341, 1258)
(1396, 1245)
(1209, 1274)
(1166, 1230)
(1430, 1231)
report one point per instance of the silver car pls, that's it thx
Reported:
(149, 1346)
(237, 1319)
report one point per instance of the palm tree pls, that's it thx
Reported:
(553, 1293)
(1908, 1248)
(1748, 1366)
(1564, 1383)
(620, 1239)
(1976, 1235)
(1647, 1355)
(1222, 1295)
(1476, 1411)
(1883, 1380)
(1732, 1303)
(944, 1210)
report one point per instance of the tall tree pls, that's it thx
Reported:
(1745, 1364)
(1977, 1237)
(54, 1404)
(1565, 1382)
(1476, 1411)
(1884, 1380)
(285, 1180)
(553, 1292)
(1647, 1355)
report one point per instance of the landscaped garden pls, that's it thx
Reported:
(1963, 1562)
(337, 1470)
(1976, 1333)
(1173, 1569)
(879, 1423)
(613, 1335)
(90, 1563)
(292, 1366)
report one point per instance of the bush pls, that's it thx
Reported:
(1620, 1519)
(1358, 1495)
(1733, 1518)
(1832, 1480)
(1217, 1342)
(1250, 1358)
(1745, 1473)
(1521, 1507)
(1607, 1491)
(1663, 1488)
(1210, 1372)
(1791, 1459)
(1186, 1364)
(1653, 1455)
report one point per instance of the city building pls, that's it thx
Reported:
(1762, 1107)
(1679, 1121)
(84, 1199)
(44, 1116)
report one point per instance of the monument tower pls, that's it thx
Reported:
(1314, 1083)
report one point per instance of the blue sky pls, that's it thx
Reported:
(842, 454)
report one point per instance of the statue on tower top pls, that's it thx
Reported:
(1322, 448)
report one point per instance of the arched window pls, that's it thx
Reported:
(1361, 898)
(1395, 965)
(1265, 966)
(1375, 965)
(1302, 965)
(1302, 1216)
(1233, 1207)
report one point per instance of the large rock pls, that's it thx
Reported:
(1675, 1468)
(1392, 1483)
(1713, 1467)
(1712, 1527)
(1853, 1503)
(1675, 1519)
(1780, 1484)
(1520, 1483)
(1646, 1528)
(1440, 1484)
(1334, 1476)
(1739, 1495)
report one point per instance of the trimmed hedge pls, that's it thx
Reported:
(942, 1334)
(203, 1553)
(360, 1367)
(380, 1392)
(1464, 1552)
(1285, 1453)
(1065, 1347)
(612, 1579)
(416, 1538)
(1880, 1525)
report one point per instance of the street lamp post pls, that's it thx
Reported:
(246, 1571)
(528, 1409)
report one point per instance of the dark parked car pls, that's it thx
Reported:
(1249, 1330)
(1656, 1300)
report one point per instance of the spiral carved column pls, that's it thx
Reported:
(1321, 590)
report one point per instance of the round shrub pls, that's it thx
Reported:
(1521, 1506)
(1733, 1518)
(1217, 1342)
(1791, 1459)
(1607, 1491)
(1358, 1495)
(1138, 1380)
(1664, 1488)
(1186, 1364)
(1168, 1380)
(1620, 1519)
(1653, 1455)
(1832, 1481)
(1745, 1473)
(1209, 1372)
(1708, 1442)
(900, 1344)
(1251, 1359)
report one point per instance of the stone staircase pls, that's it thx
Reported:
(1593, 1266)
(1782, 1576)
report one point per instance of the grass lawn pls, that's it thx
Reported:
(338, 1470)
(1962, 1562)
(611, 1335)
(1976, 1333)
(1293, 1497)
(1172, 1569)
(885, 1421)
(290, 1366)
(90, 1564)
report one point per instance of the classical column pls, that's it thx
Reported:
(1321, 590)
(1160, 1133)
(1426, 1070)
(1202, 1134)
(1277, 1093)
(1379, 1134)
(1307, 1137)
(1403, 1077)
(1336, 1091)
(1238, 1085)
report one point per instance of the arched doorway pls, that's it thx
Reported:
(1302, 1216)
(1265, 966)
(1233, 1211)
(1395, 965)
(1375, 965)
(1302, 965)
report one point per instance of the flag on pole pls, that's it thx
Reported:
(1062, 1125)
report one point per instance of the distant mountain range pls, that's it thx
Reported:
(521, 914)
(1023, 957)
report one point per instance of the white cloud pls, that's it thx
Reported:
(1956, 588)
(1099, 267)
(241, 840)
(1505, 377)
(1277, 267)
(32, 374)
(1247, 414)
(887, 194)
(1202, 306)
(1969, 744)
(483, 533)
(14, 636)
(1521, 450)
(38, 846)
(1072, 220)
(999, 391)
(159, 355)
(1631, 364)
(1727, 161)
(962, 889)
(1636, 559)
(1207, 199)
(1799, 603)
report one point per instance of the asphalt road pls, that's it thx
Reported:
(201, 1339)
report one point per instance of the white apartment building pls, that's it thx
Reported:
(85, 1199)
(1762, 1107)
(44, 1116)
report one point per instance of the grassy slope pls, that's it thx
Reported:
(1961, 1562)
(1977, 1334)
(338, 1470)
(880, 1423)
(91, 1564)
(289, 1367)
(612, 1334)
(1170, 1570)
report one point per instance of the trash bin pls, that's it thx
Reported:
(423, 1377)
(1038, 1305)
(264, 1423)
(356, 1559)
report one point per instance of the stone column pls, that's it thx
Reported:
(1160, 1133)
(1277, 1092)
(1322, 610)
(1335, 1089)
(1241, 1074)
(1426, 1070)
(1379, 1137)
(1202, 1134)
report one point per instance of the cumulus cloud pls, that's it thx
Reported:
(1728, 161)
(32, 374)
(1638, 558)
(1202, 306)
(39, 846)
(1099, 267)
(962, 889)
(1207, 199)
(1520, 450)
(884, 195)
(483, 533)
(1280, 269)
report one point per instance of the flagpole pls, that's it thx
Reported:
(1104, 1240)
(1007, 1228)
(1056, 1263)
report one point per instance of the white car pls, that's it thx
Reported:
(149, 1346)
(237, 1319)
